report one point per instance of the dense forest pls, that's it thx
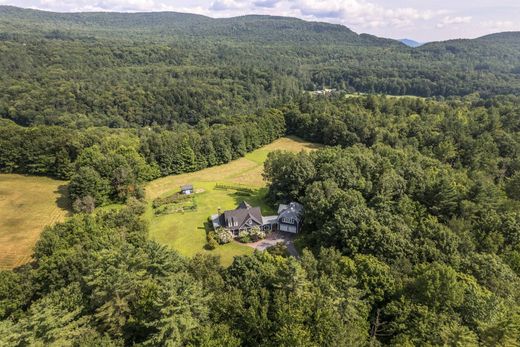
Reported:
(131, 70)
(411, 237)
(411, 229)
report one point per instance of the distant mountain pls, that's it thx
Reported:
(119, 69)
(411, 43)
(161, 26)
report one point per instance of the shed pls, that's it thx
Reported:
(187, 189)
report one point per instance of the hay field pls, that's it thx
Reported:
(27, 205)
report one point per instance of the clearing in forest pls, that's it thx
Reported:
(27, 205)
(185, 231)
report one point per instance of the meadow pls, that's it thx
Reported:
(186, 231)
(27, 205)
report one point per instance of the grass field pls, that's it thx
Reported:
(27, 205)
(186, 232)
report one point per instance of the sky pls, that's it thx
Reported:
(421, 20)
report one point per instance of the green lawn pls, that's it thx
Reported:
(186, 231)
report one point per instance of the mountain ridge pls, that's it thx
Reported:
(167, 67)
(166, 20)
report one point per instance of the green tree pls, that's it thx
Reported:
(88, 182)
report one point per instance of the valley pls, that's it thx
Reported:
(144, 156)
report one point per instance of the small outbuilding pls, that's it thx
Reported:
(187, 189)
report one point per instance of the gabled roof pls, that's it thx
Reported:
(243, 204)
(243, 213)
(292, 206)
(291, 211)
(187, 187)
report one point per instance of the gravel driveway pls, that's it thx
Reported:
(274, 238)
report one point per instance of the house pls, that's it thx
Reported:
(245, 217)
(187, 189)
(289, 217)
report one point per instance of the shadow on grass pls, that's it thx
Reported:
(308, 144)
(207, 227)
(256, 199)
(63, 199)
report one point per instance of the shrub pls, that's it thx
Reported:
(280, 249)
(136, 206)
(86, 204)
(256, 234)
(170, 199)
(212, 242)
(223, 236)
(244, 236)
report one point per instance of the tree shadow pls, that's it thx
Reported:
(207, 227)
(256, 199)
(310, 145)
(63, 199)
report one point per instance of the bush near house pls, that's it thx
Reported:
(252, 235)
(223, 236)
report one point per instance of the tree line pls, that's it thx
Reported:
(109, 165)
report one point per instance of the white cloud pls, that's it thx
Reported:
(421, 20)
(500, 25)
(100, 5)
(357, 14)
(362, 13)
(225, 5)
(448, 20)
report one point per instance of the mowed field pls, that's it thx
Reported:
(186, 232)
(27, 205)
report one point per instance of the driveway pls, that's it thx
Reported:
(274, 238)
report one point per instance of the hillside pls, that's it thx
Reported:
(166, 68)
(161, 26)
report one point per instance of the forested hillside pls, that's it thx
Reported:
(139, 69)
(411, 225)
(411, 228)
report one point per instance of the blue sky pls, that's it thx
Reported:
(422, 20)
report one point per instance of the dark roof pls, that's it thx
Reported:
(241, 215)
(244, 204)
(291, 211)
(187, 187)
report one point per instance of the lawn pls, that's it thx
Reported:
(27, 205)
(186, 231)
